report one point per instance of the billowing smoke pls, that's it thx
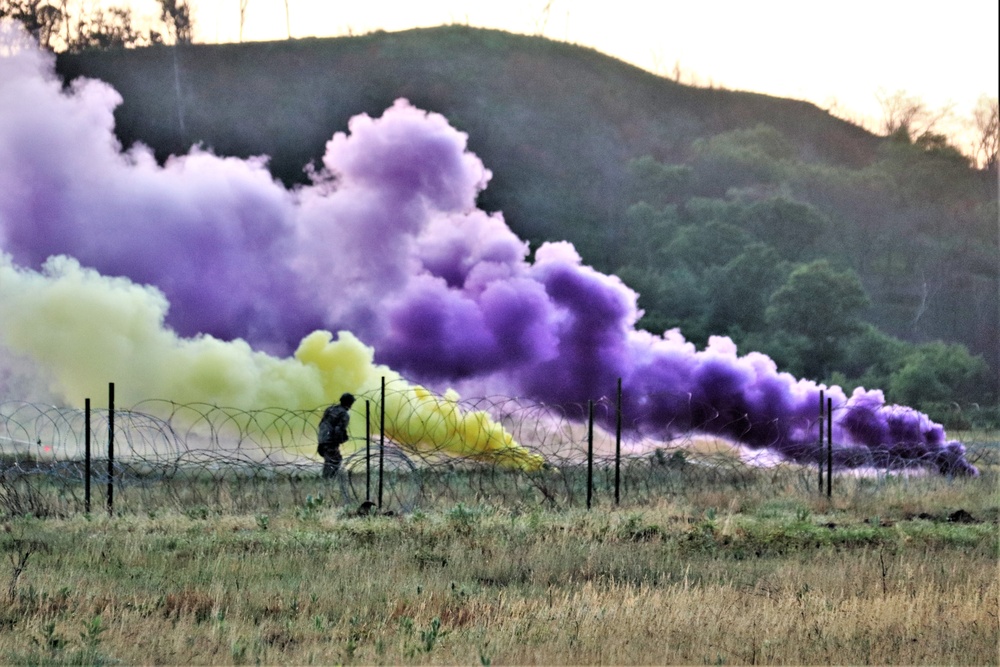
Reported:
(386, 243)
(86, 327)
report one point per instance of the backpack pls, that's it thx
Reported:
(333, 426)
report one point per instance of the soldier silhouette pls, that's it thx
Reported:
(333, 433)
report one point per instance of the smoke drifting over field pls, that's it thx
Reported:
(387, 243)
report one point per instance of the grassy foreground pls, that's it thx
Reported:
(703, 579)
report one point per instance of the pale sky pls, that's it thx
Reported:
(845, 52)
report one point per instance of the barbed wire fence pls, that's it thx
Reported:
(201, 458)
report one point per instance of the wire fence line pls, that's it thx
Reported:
(407, 451)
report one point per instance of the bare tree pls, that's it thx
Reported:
(40, 19)
(898, 111)
(105, 29)
(176, 14)
(907, 116)
(987, 138)
(65, 20)
(55, 27)
(543, 21)
(288, 20)
(243, 16)
(49, 17)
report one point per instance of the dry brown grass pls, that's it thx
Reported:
(795, 581)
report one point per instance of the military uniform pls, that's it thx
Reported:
(333, 433)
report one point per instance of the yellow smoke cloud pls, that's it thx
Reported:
(88, 329)
(414, 417)
(437, 424)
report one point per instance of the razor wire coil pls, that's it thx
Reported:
(200, 455)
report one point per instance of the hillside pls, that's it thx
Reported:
(556, 123)
(561, 128)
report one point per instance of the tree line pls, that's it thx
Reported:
(835, 273)
(73, 27)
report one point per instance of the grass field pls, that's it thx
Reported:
(905, 573)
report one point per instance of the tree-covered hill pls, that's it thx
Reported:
(843, 254)
(556, 123)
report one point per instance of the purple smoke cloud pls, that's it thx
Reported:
(212, 233)
(388, 243)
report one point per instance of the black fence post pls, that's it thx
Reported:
(381, 444)
(590, 452)
(111, 449)
(618, 444)
(829, 447)
(86, 456)
(368, 452)
(819, 457)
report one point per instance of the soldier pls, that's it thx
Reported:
(333, 433)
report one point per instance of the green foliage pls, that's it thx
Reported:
(820, 304)
(742, 249)
(431, 636)
(671, 298)
(928, 170)
(710, 244)
(55, 647)
(463, 518)
(636, 529)
(702, 209)
(311, 508)
(659, 183)
(722, 266)
(791, 352)
(645, 232)
(738, 158)
(936, 378)
(659, 223)
(790, 227)
(50, 640)
(871, 356)
(741, 288)
(198, 513)
(91, 635)
(939, 373)
(760, 141)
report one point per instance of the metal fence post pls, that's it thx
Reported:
(381, 445)
(86, 456)
(829, 448)
(111, 449)
(368, 452)
(590, 452)
(618, 444)
(819, 457)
